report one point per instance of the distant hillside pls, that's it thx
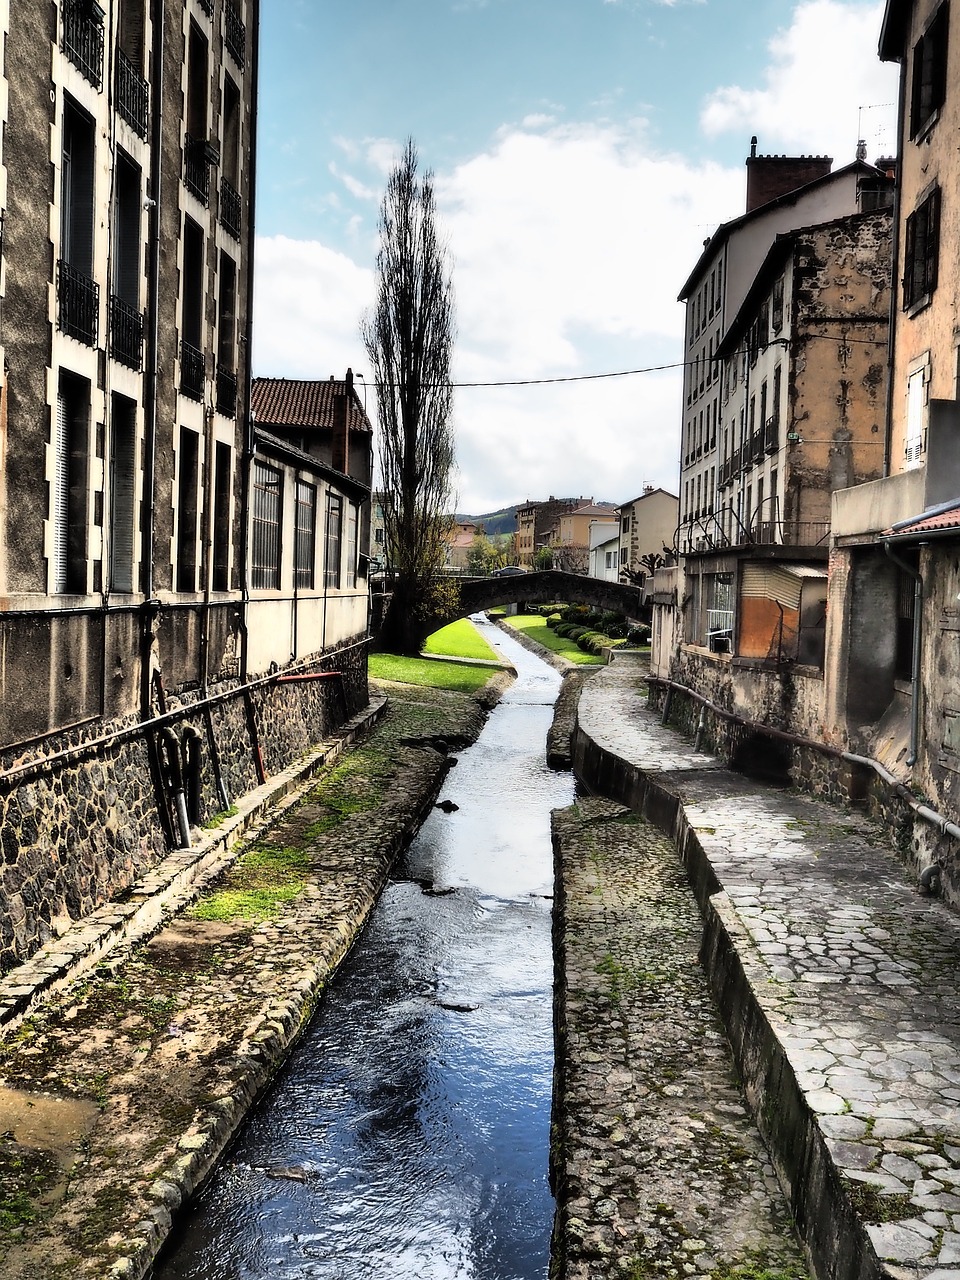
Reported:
(503, 521)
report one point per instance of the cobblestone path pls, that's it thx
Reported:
(658, 1169)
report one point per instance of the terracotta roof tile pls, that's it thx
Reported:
(945, 517)
(297, 402)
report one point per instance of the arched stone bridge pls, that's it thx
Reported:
(477, 594)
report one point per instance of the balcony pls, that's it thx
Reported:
(230, 216)
(78, 304)
(133, 96)
(191, 370)
(207, 7)
(771, 435)
(236, 34)
(226, 393)
(196, 168)
(83, 38)
(126, 333)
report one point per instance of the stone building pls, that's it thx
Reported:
(783, 193)
(893, 661)
(126, 177)
(537, 523)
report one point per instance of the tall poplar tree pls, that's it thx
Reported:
(409, 340)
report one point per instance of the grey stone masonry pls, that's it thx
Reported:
(657, 1166)
(837, 982)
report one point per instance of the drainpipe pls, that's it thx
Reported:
(915, 656)
(894, 285)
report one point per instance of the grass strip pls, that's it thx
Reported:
(424, 671)
(535, 626)
(460, 639)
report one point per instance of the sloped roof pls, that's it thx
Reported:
(296, 402)
(937, 522)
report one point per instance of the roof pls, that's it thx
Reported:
(893, 30)
(937, 521)
(725, 230)
(306, 404)
(647, 493)
(593, 509)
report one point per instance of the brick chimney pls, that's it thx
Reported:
(769, 177)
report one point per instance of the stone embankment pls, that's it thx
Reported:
(657, 1165)
(836, 981)
(121, 1089)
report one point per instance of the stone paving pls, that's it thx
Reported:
(838, 981)
(658, 1167)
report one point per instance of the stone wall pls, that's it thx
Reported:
(83, 817)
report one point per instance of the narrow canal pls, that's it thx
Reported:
(408, 1135)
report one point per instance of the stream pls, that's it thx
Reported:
(408, 1134)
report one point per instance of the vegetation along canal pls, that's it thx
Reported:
(409, 1133)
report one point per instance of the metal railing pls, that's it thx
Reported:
(83, 38)
(236, 34)
(191, 370)
(196, 169)
(78, 304)
(133, 95)
(126, 333)
(230, 208)
(226, 393)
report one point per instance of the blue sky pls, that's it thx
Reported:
(583, 149)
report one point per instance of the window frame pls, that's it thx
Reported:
(266, 542)
(921, 256)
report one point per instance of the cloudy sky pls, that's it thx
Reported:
(582, 151)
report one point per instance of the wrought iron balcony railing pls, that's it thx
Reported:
(191, 370)
(207, 7)
(83, 38)
(78, 304)
(133, 96)
(196, 168)
(236, 34)
(226, 393)
(229, 208)
(126, 333)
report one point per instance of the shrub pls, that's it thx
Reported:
(553, 621)
(639, 635)
(564, 629)
(616, 630)
(578, 613)
(611, 619)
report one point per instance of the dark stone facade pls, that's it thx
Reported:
(82, 822)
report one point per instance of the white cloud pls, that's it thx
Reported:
(308, 300)
(823, 69)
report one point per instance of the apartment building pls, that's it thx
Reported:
(127, 186)
(538, 523)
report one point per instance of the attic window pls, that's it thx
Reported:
(929, 84)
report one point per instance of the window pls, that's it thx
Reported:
(351, 557)
(191, 304)
(227, 337)
(221, 517)
(188, 496)
(230, 160)
(265, 553)
(132, 93)
(123, 490)
(71, 449)
(196, 157)
(126, 318)
(916, 416)
(78, 293)
(922, 250)
(332, 540)
(305, 536)
(83, 38)
(777, 307)
(928, 87)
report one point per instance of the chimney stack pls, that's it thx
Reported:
(770, 177)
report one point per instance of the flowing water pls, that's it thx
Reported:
(408, 1135)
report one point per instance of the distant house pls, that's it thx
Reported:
(458, 544)
(309, 518)
(648, 524)
(538, 524)
(605, 551)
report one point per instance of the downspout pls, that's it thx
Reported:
(915, 656)
(148, 499)
(248, 343)
(894, 284)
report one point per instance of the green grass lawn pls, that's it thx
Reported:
(533, 625)
(460, 640)
(440, 675)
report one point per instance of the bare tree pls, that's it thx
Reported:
(409, 341)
